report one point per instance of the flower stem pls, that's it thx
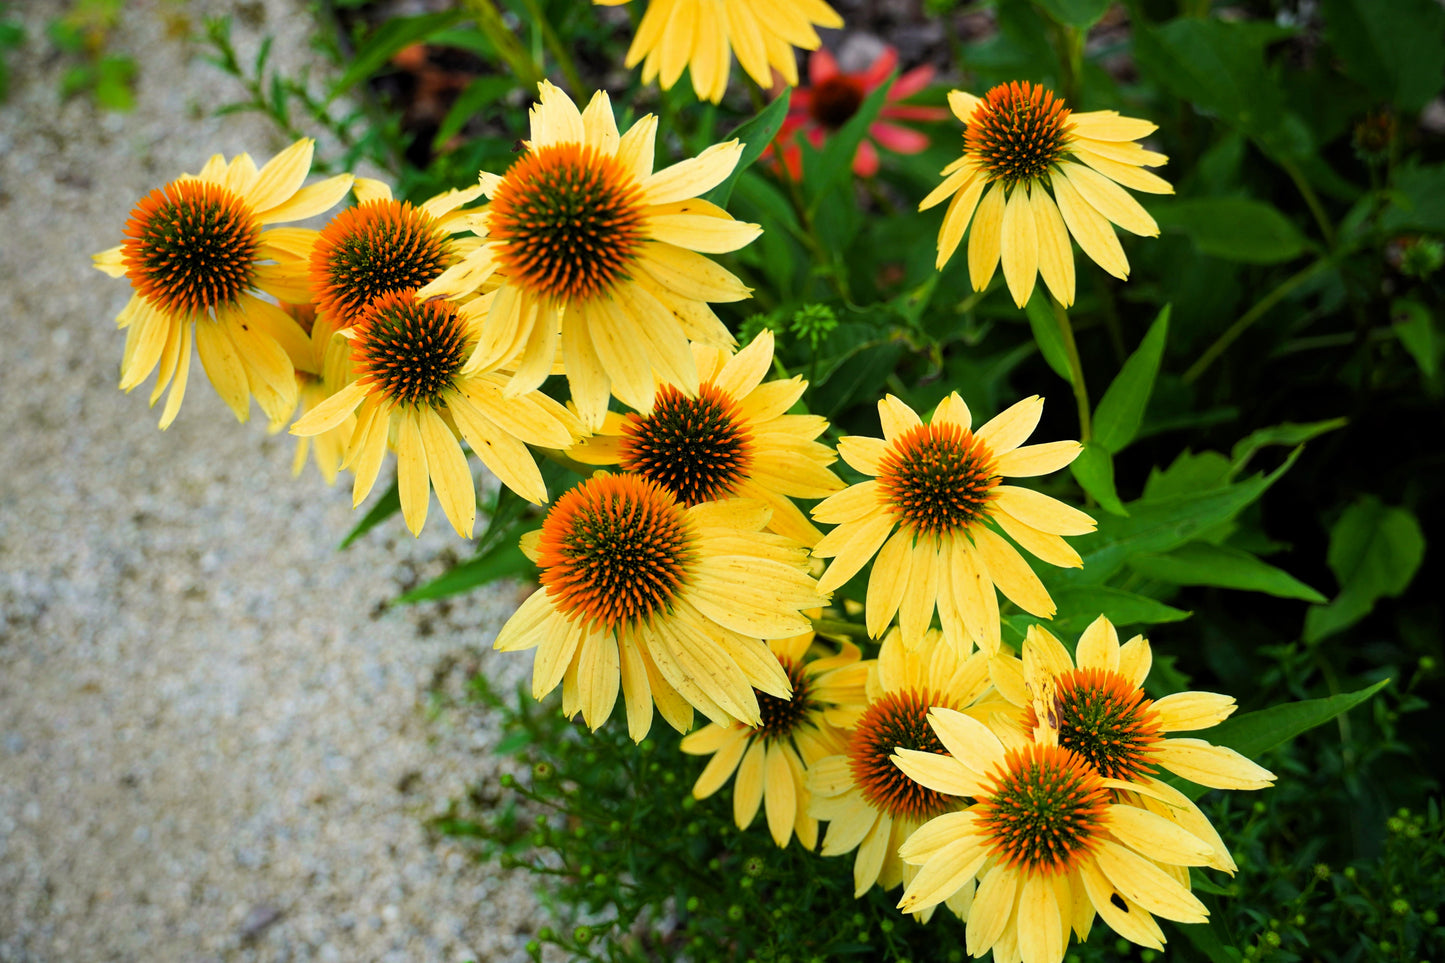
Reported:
(839, 627)
(1222, 343)
(557, 47)
(1312, 200)
(1076, 369)
(489, 19)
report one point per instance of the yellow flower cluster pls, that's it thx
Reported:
(683, 576)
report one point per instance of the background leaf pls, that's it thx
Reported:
(1375, 550)
(1200, 563)
(1121, 410)
(756, 135)
(1232, 228)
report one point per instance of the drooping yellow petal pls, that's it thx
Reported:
(1217, 767)
(1042, 512)
(985, 238)
(1056, 255)
(1090, 228)
(1109, 199)
(449, 473)
(1019, 245)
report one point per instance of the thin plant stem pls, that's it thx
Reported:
(558, 49)
(489, 19)
(1312, 200)
(1260, 308)
(1076, 369)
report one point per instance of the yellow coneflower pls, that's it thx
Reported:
(1100, 712)
(937, 488)
(772, 758)
(1033, 174)
(326, 371)
(382, 245)
(599, 258)
(732, 438)
(408, 357)
(1044, 844)
(671, 603)
(700, 34)
(870, 804)
(195, 252)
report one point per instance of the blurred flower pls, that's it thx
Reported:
(598, 258)
(926, 514)
(195, 252)
(669, 602)
(772, 758)
(1021, 143)
(701, 34)
(833, 97)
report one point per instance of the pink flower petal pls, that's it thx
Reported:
(865, 162)
(900, 140)
(909, 112)
(821, 66)
(880, 69)
(911, 82)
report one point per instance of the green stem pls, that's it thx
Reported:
(839, 627)
(1261, 307)
(559, 50)
(1076, 370)
(1312, 200)
(489, 19)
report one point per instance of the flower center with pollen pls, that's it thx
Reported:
(373, 249)
(191, 247)
(567, 222)
(898, 719)
(835, 101)
(696, 448)
(1106, 720)
(937, 478)
(781, 717)
(409, 350)
(614, 550)
(1016, 131)
(1043, 809)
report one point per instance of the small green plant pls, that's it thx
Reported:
(83, 34)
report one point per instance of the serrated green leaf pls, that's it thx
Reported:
(385, 41)
(385, 507)
(1415, 327)
(1375, 551)
(478, 94)
(1121, 410)
(1076, 13)
(1232, 228)
(1200, 563)
(1290, 433)
(756, 134)
(1047, 335)
(1255, 733)
(504, 560)
(835, 161)
(1094, 471)
(1162, 525)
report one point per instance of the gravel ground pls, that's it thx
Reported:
(212, 738)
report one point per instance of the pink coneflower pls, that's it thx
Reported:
(832, 97)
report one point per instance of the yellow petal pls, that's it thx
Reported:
(993, 908)
(689, 275)
(1041, 545)
(1164, 841)
(935, 771)
(331, 412)
(948, 869)
(780, 795)
(1109, 199)
(748, 792)
(694, 176)
(599, 126)
(598, 676)
(1189, 711)
(1056, 254)
(1090, 228)
(1019, 245)
(412, 481)
(309, 201)
(962, 104)
(897, 417)
(555, 118)
(888, 581)
(850, 546)
(1010, 428)
(967, 740)
(527, 625)
(1098, 647)
(1040, 921)
(1132, 922)
(223, 366)
(635, 149)
(449, 473)
(985, 238)
(1217, 767)
(1042, 512)
(1142, 882)
(1108, 125)
(282, 177)
(1012, 574)
(1127, 174)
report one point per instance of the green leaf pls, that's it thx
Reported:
(1162, 525)
(503, 560)
(756, 135)
(1076, 13)
(1047, 334)
(1395, 49)
(1290, 433)
(1415, 327)
(385, 41)
(385, 507)
(1255, 733)
(1189, 473)
(1200, 563)
(1232, 228)
(1123, 608)
(835, 161)
(478, 94)
(1121, 410)
(1375, 550)
(1417, 200)
(1094, 471)
(1218, 67)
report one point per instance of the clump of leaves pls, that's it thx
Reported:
(83, 33)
